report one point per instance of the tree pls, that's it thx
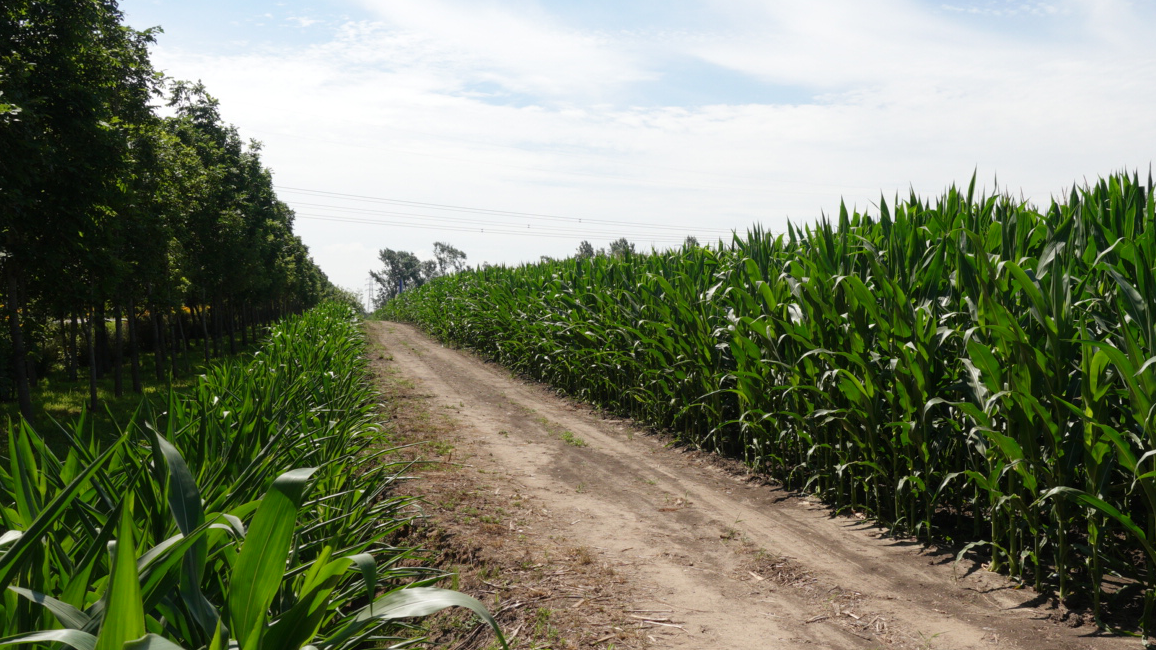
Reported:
(104, 205)
(403, 270)
(585, 250)
(449, 259)
(79, 80)
(429, 270)
(690, 242)
(621, 248)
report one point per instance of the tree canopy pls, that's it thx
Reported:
(109, 209)
(402, 270)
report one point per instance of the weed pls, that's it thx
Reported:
(569, 438)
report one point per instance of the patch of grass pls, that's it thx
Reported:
(440, 447)
(569, 438)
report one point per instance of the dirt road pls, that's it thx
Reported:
(716, 559)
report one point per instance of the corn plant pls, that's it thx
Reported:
(972, 366)
(253, 513)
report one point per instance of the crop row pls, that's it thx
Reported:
(254, 512)
(971, 368)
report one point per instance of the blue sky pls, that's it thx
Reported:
(665, 118)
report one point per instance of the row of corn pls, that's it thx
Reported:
(254, 512)
(971, 367)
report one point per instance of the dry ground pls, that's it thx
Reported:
(585, 531)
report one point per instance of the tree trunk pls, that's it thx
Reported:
(134, 346)
(89, 339)
(158, 345)
(174, 345)
(216, 316)
(19, 355)
(229, 321)
(101, 340)
(244, 326)
(74, 358)
(184, 340)
(117, 356)
(64, 342)
(204, 314)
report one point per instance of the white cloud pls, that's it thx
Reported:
(302, 21)
(1007, 8)
(519, 48)
(413, 106)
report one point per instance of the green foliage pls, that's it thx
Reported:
(621, 248)
(967, 365)
(403, 270)
(256, 507)
(107, 207)
(347, 297)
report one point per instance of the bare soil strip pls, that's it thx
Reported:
(714, 558)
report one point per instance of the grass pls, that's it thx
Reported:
(566, 436)
(569, 438)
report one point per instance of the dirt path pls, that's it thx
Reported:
(732, 563)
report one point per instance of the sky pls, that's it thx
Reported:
(513, 129)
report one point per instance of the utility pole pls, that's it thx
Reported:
(369, 294)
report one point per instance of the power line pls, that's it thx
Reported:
(485, 230)
(463, 222)
(616, 178)
(472, 210)
(481, 229)
(588, 156)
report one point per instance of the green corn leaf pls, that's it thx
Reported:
(69, 616)
(414, 602)
(152, 642)
(368, 567)
(71, 638)
(299, 625)
(10, 562)
(124, 613)
(261, 564)
(185, 504)
(1106, 508)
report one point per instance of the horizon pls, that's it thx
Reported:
(660, 120)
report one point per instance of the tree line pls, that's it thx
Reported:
(123, 230)
(403, 270)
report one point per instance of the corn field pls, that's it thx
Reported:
(253, 513)
(970, 368)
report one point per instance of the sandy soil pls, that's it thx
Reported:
(716, 558)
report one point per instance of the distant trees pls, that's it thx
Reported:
(621, 247)
(403, 270)
(449, 259)
(110, 214)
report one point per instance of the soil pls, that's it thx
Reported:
(582, 530)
